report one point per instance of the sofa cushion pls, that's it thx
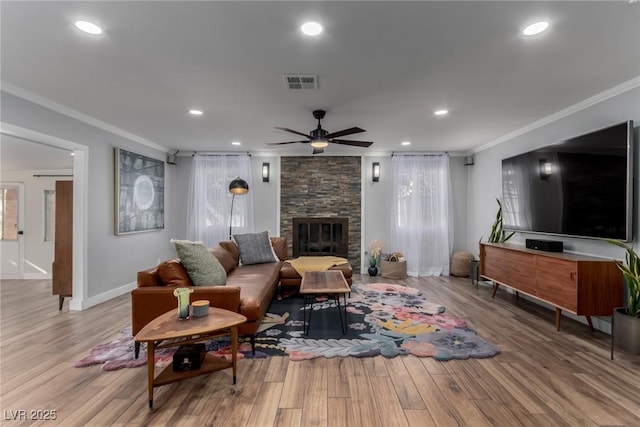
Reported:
(232, 248)
(279, 245)
(255, 248)
(172, 273)
(224, 256)
(204, 269)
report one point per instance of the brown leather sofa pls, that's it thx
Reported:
(249, 288)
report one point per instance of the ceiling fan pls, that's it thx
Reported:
(320, 138)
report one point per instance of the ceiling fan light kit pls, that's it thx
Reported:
(320, 138)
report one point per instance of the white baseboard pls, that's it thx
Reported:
(78, 305)
(26, 276)
(37, 276)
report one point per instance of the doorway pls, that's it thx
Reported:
(80, 207)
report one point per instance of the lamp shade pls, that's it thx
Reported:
(238, 186)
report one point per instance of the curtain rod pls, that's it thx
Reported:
(418, 154)
(50, 176)
(213, 153)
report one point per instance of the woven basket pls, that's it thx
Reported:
(460, 264)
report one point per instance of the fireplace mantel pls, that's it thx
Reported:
(321, 237)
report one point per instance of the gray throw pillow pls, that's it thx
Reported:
(255, 248)
(203, 268)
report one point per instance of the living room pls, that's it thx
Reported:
(580, 99)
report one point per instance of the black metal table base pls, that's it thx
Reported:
(309, 299)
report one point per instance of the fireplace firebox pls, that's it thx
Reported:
(321, 236)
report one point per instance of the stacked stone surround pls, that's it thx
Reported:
(313, 187)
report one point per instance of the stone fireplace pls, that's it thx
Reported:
(322, 188)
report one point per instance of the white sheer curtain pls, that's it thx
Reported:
(209, 201)
(421, 213)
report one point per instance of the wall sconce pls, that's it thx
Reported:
(265, 172)
(545, 169)
(376, 172)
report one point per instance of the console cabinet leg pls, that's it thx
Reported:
(558, 317)
(495, 289)
(590, 323)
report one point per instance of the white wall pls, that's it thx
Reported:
(376, 214)
(38, 254)
(265, 194)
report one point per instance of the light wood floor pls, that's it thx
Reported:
(542, 378)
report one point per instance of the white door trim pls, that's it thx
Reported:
(80, 204)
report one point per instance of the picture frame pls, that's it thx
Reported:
(139, 193)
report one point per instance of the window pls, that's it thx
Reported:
(49, 215)
(9, 213)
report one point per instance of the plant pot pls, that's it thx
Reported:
(373, 271)
(625, 331)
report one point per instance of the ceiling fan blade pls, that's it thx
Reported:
(288, 142)
(317, 150)
(345, 132)
(293, 131)
(354, 143)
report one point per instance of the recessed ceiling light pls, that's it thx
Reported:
(405, 143)
(311, 28)
(535, 28)
(195, 112)
(88, 27)
(441, 112)
(236, 143)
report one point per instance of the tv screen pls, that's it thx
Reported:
(579, 187)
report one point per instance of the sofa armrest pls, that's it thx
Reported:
(147, 303)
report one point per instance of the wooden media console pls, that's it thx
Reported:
(580, 284)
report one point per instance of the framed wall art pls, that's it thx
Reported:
(139, 193)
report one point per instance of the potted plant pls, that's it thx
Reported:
(626, 320)
(497, 234)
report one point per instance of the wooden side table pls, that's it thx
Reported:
(167, 326)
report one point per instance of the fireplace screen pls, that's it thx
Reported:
(320, 236)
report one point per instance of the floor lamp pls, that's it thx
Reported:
(237, 186)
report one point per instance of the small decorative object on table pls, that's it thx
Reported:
(200, 308)
(374, 250)
(183, 302)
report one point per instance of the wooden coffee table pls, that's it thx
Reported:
(167, 326)
(331, 282)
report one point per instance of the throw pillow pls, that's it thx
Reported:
(255, 248)
(203, 268)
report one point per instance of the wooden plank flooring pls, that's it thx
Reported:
(542, 378)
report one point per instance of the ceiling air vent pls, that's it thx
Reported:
(298, 82)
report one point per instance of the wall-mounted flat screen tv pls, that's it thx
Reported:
(580, 187)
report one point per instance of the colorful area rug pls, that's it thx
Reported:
(118, 354)
(382, 319)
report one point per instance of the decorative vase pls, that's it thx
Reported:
(183, 302)
(373, 270)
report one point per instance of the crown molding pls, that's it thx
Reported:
(589, 102)
(85, 118)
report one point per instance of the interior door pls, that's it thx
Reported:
(62, 269)
(11, 232)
